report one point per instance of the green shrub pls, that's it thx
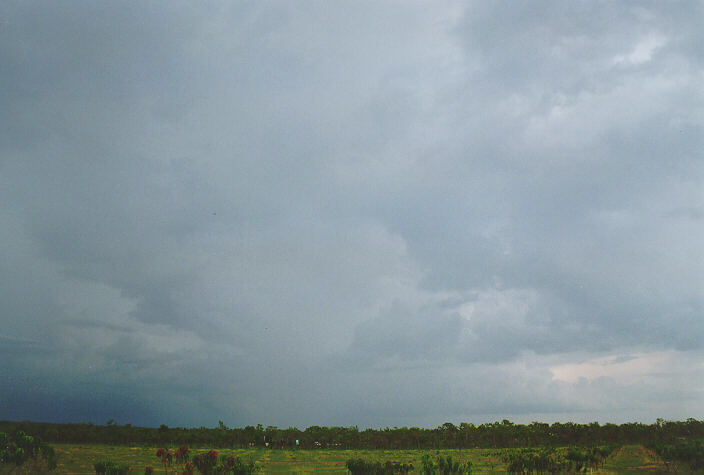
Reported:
(547, 460)
(531, 460)
(688, 452)
(235, 466)
(211, 463)
(444, 466)
(206, 463)
(108, 467)
(20, 449)
(364, 467)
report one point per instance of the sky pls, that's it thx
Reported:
(351, 213)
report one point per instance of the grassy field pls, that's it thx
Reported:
(79, 459)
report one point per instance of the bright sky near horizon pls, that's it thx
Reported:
(347, 213)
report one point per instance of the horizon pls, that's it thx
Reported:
(113, 423)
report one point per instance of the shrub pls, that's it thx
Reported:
(166, 458)
(233, 465)
(447, 466)
(20, 449)
(602, 453)
(444, 466)
(182, 454)
(206, 463)
(690, 453)
(210, 463)
(363, 467)
(108, 467)
(579, 460)
(531, 460)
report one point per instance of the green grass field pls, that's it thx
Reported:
(79, 459)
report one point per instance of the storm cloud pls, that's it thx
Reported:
(351, 213)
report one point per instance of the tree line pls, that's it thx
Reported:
(504, 434)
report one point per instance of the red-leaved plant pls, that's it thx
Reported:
(182, 454)
(207, 462)
(166, 458)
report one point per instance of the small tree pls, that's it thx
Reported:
(21, 449)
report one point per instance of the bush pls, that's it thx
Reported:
(182, 454)
(444, 466)
(547, 460)
(690, 453)
(529, 461)
(363, 467)
(20, 449)
(211, 463)
(108, 467)
(166, 457)
(233, 465)
(206, 463)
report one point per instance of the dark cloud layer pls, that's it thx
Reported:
(351, 214)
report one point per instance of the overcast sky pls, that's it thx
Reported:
(351, 213)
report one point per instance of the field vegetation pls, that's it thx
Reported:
(497, 447)
(80, 459)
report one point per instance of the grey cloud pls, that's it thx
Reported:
(335, 201)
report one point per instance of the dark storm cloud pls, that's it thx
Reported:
(288, 214)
